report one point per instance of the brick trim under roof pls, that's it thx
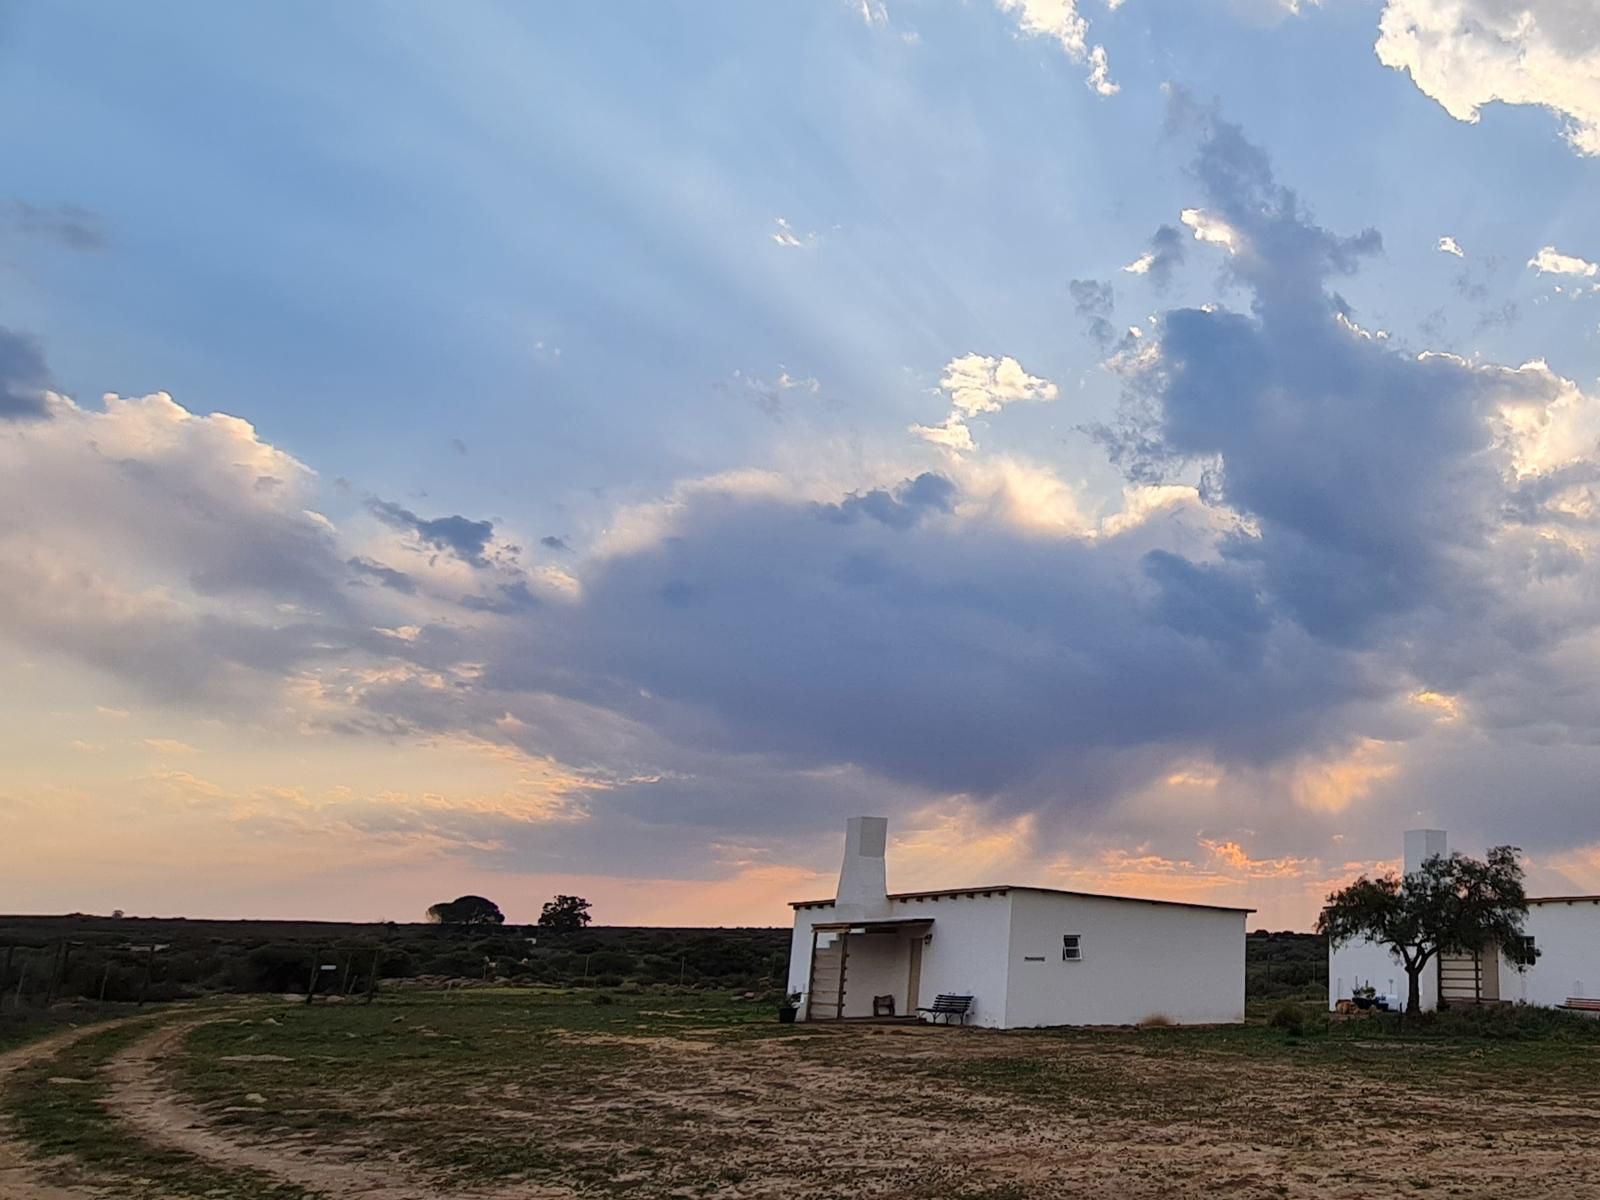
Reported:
(1002, 889)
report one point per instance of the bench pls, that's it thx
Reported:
(1581, 1004)
(947, 1007)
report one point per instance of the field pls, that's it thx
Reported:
(642, 1093)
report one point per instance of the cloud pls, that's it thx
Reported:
(551, 542)
(1210, 228)
(1469, 53)
(467, 539)
(1163, 257)
(1060, 21)
(66, 225)
(1317, 527)
(387, 576)
(1550, 261)
(787, 236)
(23, 377)
(976, 384)
(1448, 245)
(1093, 301)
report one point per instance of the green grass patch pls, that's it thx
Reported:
(58, 1108)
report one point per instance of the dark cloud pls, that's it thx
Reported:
(468, 540)
(65, 224)
(1093, 302)
(900, 507)
(387, 576)
(552, 542)
(23, 377)
(458, 445)
(1164, 255)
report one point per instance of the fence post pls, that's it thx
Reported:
(372, 979)
(5, 972)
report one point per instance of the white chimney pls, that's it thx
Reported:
(863, 879)
(1421, 845)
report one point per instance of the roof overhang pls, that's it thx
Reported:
(907, 925)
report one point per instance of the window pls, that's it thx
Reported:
(1523, 952)
(1071, 947)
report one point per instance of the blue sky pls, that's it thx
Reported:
(649, 288)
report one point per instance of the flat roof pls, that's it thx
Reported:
(1564, 899)
(1001, 889)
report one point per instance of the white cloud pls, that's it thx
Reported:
(786, 235)
(1468, 53)
(1142, 264)
(1448, 245)
(1100, 73)
(873, 12)
(978, 383)
(1060, 21)
(952, 434)
(1208, 227)
(1550, 261)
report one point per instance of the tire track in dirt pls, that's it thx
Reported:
(21, 1173)
(144, 1100)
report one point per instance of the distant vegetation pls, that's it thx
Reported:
(1286, 966)
(122, 958)
(466, 910)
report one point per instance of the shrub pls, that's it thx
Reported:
(1290, 1017)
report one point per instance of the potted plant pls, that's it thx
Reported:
(1365, 997)
(787, 1009)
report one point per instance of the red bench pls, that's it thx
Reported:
(1581, 1004)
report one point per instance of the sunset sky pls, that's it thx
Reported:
(1148, 446)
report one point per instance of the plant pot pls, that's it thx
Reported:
(786, 1014)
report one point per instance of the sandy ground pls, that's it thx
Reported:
(877, 1112)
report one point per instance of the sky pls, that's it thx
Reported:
(1146, 446)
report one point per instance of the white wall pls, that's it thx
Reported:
(967, 955)
(878, 965)
(1360, 963)
(1139, 960)
(800, 947)
(1568, 938)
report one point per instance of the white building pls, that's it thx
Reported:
(1027, 956)
(1564, 930)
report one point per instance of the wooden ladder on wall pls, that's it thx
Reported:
(825, 992)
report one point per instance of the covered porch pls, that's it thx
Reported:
(866, 970)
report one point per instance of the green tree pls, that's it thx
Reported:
(1453, 904)
(466, 910)
(565, 914)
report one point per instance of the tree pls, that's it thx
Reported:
(1453, 904)
(565, 914)
(466, 910)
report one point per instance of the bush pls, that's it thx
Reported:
(1290, 1017)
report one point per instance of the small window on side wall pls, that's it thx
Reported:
(1071, 947)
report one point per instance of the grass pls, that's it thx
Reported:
(667, 1093)
(57, 1106)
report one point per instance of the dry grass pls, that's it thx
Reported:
(533, 1095)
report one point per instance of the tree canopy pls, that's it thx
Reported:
(466, 910)
(565, 914)
(1454, 904)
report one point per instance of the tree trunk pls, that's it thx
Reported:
(1414, 990)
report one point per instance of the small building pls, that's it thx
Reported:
(1027, 956)
(1561, 949)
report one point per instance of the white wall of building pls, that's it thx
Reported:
(966, 955)
(1139, 960)
(1567, 934)
(1364, 963)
